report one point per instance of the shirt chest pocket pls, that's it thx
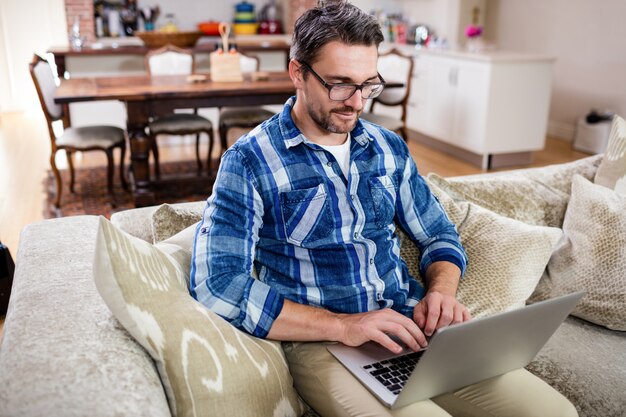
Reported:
(383, 191)
(306, 216)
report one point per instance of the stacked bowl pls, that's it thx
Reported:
(245, 19)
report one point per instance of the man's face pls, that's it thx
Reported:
(339, 63)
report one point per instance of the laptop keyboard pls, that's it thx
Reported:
(394, 372)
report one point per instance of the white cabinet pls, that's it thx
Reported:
(490, 107)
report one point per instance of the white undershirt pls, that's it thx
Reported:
(341, 154)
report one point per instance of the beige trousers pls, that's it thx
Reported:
(332, 391)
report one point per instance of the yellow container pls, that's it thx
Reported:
(245, 28)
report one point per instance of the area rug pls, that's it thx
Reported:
(90, 196)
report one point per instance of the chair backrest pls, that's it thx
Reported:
(46, 86)
(395, 66)
(169, 60)
(248, 63)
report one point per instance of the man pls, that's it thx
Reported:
(308, 202)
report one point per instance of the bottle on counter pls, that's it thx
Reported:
(170, 25)
(130, 18)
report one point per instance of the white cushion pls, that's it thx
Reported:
(207, 366)
(612, 171)
(591, 256)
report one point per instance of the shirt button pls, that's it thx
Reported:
(353, 196)
(356, 235)
(372, 261)
(329, 163)
(379, 296)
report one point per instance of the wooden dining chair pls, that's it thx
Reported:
(171, 60)
(393, 66)
(74, 139)
(241, 117)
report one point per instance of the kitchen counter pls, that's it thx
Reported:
(134, 46)
(487, 55)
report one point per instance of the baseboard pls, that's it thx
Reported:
(560, 130)
(483, 161)
(506, 160)
(446, 148)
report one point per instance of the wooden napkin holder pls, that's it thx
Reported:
(225, 66)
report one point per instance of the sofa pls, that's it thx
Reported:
(64, 352)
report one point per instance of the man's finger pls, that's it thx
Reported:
(387, 342)
(404, 334)
(432, 318)
(466, 314)
(419, 315)
(458, 314)
(408, 331)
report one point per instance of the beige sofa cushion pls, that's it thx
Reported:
(207, 366)
(167, 220)
(591, 256)
(519, 198)
(612, 170)
(506, 256)
(62, 352)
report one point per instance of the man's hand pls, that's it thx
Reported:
(440, 308)
(298, 322)
(378, 326)
(437, 310)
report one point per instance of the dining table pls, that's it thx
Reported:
(146, 97)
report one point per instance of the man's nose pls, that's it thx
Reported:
(355, 101)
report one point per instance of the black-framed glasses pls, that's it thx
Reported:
(343, 91)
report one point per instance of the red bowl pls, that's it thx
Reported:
(209, 28)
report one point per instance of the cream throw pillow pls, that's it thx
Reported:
(167, 220)
(591, 255)
(207, 366)
(506, 257)
(517, 197)
(612, 170)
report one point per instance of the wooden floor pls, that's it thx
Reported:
(24, 164)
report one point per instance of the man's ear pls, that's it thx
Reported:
(295, 73)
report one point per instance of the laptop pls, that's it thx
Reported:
(457, 355)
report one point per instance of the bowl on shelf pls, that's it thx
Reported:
(245, 28)
(158, 39)
(209, 28)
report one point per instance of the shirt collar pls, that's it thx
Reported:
(292, 135)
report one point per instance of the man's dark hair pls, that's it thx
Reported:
(332, 21)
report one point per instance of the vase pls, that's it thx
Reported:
(474, 44)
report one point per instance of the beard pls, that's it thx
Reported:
(325, 119)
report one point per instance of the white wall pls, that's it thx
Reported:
(588, 38)
(26, 27)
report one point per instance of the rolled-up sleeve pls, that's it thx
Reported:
(426, 222)
(223, 255)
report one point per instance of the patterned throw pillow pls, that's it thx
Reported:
(591, 255)
(207, 366)
(612, 170)
(506, 257)
(513, 196)
(167, 220)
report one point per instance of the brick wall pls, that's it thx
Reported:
(84, 9)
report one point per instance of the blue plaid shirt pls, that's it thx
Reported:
(284, 222)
